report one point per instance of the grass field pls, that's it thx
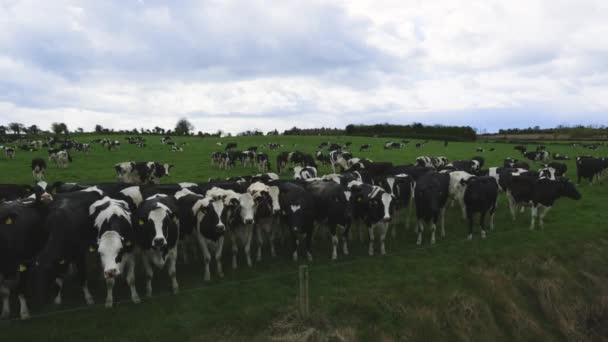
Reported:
(515, 285)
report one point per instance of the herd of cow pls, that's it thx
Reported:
(45, 228)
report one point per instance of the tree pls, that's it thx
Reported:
(183, 127)
(3, 130)
(80, 130)
(16, 127)
(59, 127)
(33, 130)
(98, 129)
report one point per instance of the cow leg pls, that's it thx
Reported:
(383, 231)
(511, 205)
(533, 212)
(130, 277)
(248, 237)
(87, 294)
(109, 290)
(395, 224)
(345, 234)
(470, 221)
(258, 231)
(272, 232)
(334, 242)
(433, 229)
(171, 269)
(463, 207)
(206, 255)
(409, 215)
(149, 273)
(218, 256)
(420, 229)
(482, 220)
(492, 215)
(59, 282)
(24, 312)
(5, 292)
(235, 249)
(309, 245)
(443, 222)
(81, 276)
(296, 244)
(370, 230)
(541, 219)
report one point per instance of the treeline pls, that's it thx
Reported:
(415, 130)
(314, 131)
(578, 131)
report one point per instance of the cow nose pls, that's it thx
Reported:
(221, 226)
(276, 211)
(249, 221)
(387, 219)
(159, 242)
(110, 273)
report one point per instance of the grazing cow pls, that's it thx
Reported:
(590, 168)
(560, 168)
(339, 158)
(458, 188)
(434, 162)
(431, 195)
(304, 172)
(165, 139)
(115, 241)
(264, 210)
(480, 196)
(177, 149)
(537, 156)
(479, 149)
(365, 147)
(38, 169)
(157, 234)
(540, 148)
(21, 239)
(263, 162)
(470, 166)
(70, 237)
(557, 156)
(298, 214)
(141, 172)
(372, 204)
(230, 146)
(10, 152)
(393, 145)
(541, 194)
(521, 148)
(332, 207)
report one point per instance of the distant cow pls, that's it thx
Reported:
(590, 168)
(365, 147)
(10, 152)
(557, 156)
(38, 169)
(537, 156)
(230, 146)
(141, 172)
(304, 172)
(479, 149)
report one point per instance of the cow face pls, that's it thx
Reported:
(247, 208)
(160, 220)
(209, 212)
(110, 252)
(295, 216)
(42, 193)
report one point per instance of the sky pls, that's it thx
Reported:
(239, 65)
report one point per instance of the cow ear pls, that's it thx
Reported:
(463, 182)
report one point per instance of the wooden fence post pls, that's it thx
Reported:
(303, 300)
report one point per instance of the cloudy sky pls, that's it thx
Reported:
(236, 65)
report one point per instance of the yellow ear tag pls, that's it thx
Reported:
(8, 221)
(141, 222)
(22, 268)
(61, 262)
(91, 249)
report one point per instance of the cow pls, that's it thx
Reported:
(264, 210)
(590, 168)
(339, 158)
(480, 149)
(157, 235)
(10, 152)
(112, 220)
(227, 160)
(433, 162)
(372, 205)
(509, 162)
(560, 168)
(481, 160)
(334, 146)
(470, 166)
(252, 148)
(298, 213)
(541, 194)
(364, 147)
(70, 236)
(165, 139)
(401, 188)
(177, 149)
(431, 194)
(63, 159)
(322, 158)
(304, 172)
(141, 172)
(11, 192)
(282, 161)
(393, 145)
(230, 146)
(537, 156)
(21, 239)
(113, 145)
(263, 162)
(331, 206)
(521, 148)
(458, 188)
(38, 169)
(480, 196)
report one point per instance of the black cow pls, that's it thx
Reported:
(480, 196)
(332, 206)
(521, 148)
(431, 195)
(541, 194)
(323, 159)
(11, 192)
(372, 205)
(21, 239)
(560, 168)
(470, 166)
(299, 214)
(70, 236)
(590, 168)
(365, 147)
(157, 234)
(263, 162)
(230, 146)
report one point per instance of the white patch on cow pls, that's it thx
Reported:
(156, 196)
(272, 176)
(247, 207)
(274, 195)
(347, 195)
(157, 217)
(183, 192)
(134, 193)
(202, 203)
(110, 244)
(391, 183)
(93, 189)
(334, 177)
(42, 184)
(353, 183)
(297, 172)
(375, 191)
(257, 188)
(386, 201)
(115, 208)
(187, 184)
(167, 167)
(218, 206)
(295, 208)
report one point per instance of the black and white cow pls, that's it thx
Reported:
(372, 205)
(165, 139)
(431, 195)
(157, 234)
(298, 213)
(365, 147)
(141, 172)
(521, 148)
(304, 172)
(559, 169)
(263, 162)
(480, 149)
(458, 188)
(38, 169)
(541, 194)
(401, 188)
(230, 146)
(21, 239)
(434, 162)
(470, 166)
(339, 158)
(11, 192)
(480, 196)
(590, 168)
(557, 156)
(112, 220)
(332, 207)
(537, 156)
(70, 236)
(265, 209)
(10, 152)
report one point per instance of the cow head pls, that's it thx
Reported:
(568, 189)
(247, 208)
(210, 210)
(159, 222)
(42, 193)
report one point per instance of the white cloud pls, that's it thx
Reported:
(236, 65)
